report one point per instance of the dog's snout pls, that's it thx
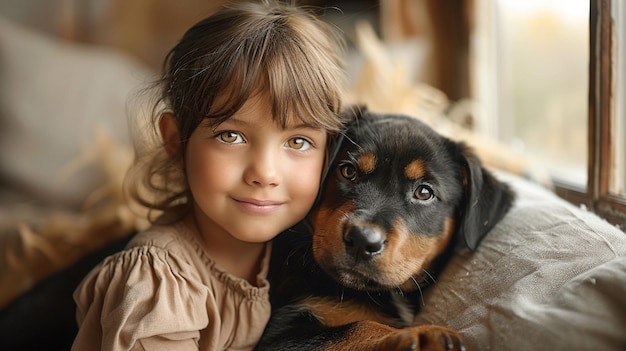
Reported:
(364, 241)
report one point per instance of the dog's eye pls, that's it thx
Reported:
(347, 171)
(424, 193)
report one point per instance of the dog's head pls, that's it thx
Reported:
(397, 196)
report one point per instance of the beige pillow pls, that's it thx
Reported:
(53, 97)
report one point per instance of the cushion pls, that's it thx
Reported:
(549, 276)
(54, 97)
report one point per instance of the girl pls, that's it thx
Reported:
(251, 99)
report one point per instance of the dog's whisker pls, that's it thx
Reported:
(430, 276)
(350, 139)
(419, 288)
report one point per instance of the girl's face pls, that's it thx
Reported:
(251, 179)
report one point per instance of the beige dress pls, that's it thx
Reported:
(165, 293)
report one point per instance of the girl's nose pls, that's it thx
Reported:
(263, 169)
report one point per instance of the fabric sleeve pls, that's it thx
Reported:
(142, 298)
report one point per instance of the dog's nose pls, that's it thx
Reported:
(363, 241)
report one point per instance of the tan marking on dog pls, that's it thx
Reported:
(367, 162)
(408, 255)
(327, 239)
(429, 248)
(374, 336)
(332, 312)
(371, 336)
(415, 170)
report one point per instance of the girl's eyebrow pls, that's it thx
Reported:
(304, 126)
(233, 120)
(236, 121)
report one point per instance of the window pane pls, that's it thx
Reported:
(619, 178)
(542, 73)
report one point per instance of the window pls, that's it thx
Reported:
(541, 71)
(551, 81)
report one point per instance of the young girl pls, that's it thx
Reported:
(251, 98)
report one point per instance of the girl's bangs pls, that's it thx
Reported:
(297, 89)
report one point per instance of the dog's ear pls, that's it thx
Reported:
(486, 199)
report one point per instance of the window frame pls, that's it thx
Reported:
(601, 101)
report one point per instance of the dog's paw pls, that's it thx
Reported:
(423, 338)
(436, 338)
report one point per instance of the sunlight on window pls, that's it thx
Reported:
(542, 50)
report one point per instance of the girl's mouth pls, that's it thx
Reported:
(256, 206)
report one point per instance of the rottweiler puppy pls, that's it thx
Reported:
(397, 200)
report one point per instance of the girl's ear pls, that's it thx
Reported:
(169, 133)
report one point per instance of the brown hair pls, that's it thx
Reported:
(243, 48)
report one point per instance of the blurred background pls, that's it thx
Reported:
(516, 71)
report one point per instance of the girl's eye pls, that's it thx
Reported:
(348, 171)
(300, 144)
(229, 137)
(424, 193)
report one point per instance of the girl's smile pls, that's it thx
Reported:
(260, 207)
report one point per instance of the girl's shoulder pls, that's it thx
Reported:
(139, 287)
(173, 238)
(161, 252)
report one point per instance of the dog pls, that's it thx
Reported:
(397, 201)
